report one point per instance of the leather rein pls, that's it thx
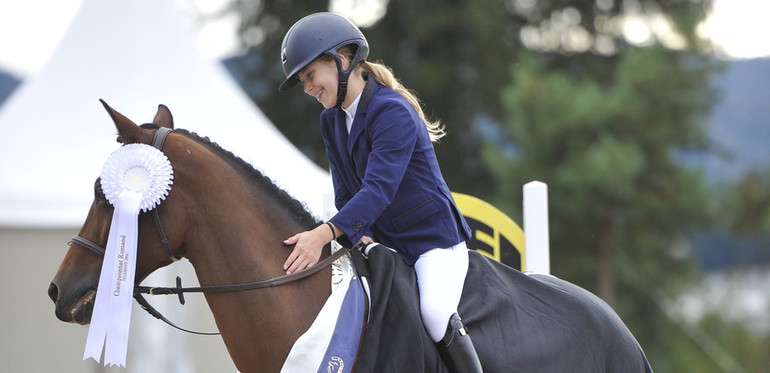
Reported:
(158, 141)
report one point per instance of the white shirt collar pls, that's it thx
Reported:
(350, 112)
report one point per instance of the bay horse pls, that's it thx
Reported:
(230, 221)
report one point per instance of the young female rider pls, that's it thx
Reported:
(387, 182)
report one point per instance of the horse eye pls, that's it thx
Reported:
(98, 192)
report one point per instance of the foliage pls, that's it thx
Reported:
(748, 206)
(737, 348)
(712, 345)
(263, 24)
(623, 208)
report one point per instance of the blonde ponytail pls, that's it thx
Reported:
(384, 75)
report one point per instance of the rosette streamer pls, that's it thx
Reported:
(135, 177)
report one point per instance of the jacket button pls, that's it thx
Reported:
(357, 226)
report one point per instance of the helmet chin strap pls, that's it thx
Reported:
(343, 75)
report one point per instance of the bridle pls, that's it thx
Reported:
(158, 140)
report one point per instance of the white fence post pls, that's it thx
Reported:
(536, 227)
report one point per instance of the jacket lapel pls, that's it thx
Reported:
(358, 122)
(341, 139)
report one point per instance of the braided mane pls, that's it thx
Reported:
(294, 206)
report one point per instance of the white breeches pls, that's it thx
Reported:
(440, 279)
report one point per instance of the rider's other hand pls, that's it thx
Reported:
(365, 240)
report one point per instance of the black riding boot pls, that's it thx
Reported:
(456, 348)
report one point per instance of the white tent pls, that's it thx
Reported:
(135, 55)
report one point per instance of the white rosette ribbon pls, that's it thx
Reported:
(135, 177)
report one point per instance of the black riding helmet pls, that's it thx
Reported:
(318, 34)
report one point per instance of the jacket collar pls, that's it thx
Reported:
(371, 83)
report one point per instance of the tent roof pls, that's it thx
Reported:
(134, 55)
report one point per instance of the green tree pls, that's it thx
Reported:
(263, 25)
(747, 205)
(623, 206)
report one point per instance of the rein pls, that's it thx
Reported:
(158, 141)
(179, 290)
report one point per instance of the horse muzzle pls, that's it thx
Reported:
(75, 309)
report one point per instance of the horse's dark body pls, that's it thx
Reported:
(230, 223)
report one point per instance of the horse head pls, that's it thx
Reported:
(229, 220)
(73, 287)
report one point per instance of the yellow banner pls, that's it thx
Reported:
(494, 234)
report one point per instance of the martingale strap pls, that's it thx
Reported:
(156, 314)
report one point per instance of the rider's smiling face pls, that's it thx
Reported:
(320, 79)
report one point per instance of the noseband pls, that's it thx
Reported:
(158, 140)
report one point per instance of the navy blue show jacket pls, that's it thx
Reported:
(387, 181)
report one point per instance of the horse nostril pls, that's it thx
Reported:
(53, 292)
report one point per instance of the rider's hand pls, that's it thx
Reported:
(365, 240)
(307, 248)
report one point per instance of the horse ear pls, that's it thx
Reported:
(163, 117)
(128, 131)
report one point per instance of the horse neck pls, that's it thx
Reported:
(240, 240)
